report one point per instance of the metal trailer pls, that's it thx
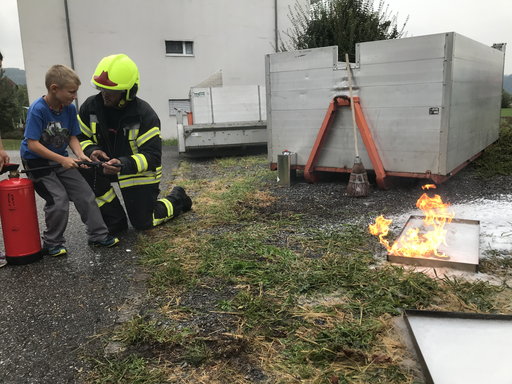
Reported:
(232, 116)
(429, 104)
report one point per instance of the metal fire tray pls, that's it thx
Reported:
(456, 347)
(462, 245)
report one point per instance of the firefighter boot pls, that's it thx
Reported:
(179, 194)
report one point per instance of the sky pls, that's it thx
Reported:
(487, 22)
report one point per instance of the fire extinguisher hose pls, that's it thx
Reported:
(90, 164)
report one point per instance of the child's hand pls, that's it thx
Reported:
(82, 157)
(4, 158)
(68, 163)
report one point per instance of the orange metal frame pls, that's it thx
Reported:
(310, 170)
(343, 101)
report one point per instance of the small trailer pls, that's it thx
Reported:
(426, 106)
(222, 117)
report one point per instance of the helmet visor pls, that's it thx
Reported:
(101, 89)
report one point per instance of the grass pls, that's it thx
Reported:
(170, 142)
(322, 319)
(133, 369)
(497, 160)
(11, 144)
(506, 112)
(298, 318)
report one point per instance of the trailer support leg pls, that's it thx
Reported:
(341, 101)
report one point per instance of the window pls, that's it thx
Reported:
(183, 104)
(185, 48)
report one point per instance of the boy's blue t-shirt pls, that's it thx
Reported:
(52, 131)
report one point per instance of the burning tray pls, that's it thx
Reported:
(462, 246)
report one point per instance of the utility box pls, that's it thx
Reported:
(223, 117)
(432, 103)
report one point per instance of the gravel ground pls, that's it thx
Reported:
(54, 311)
(326, 202)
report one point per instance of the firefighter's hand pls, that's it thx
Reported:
(68, 163)
(4, 158)
(99, 155)
(108, 169)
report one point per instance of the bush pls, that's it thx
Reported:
(506, 99)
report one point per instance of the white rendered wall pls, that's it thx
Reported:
(231, 35)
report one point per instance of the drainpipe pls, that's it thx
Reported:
(275, 26)
(69, 41)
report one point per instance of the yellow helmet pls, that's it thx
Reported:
(117, 73)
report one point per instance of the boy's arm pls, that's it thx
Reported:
(75, 146)
(40, 150)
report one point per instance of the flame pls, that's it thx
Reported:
(415, 243)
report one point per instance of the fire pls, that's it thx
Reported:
(416, 243)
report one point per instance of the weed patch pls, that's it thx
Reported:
(133, 369)
(498, 159)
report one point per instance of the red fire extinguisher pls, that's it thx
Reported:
(18, 214)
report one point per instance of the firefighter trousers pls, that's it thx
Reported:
(145, 210)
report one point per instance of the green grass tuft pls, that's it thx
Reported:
(133, 370)
(506, 112)
(170, 142)
(11, 144)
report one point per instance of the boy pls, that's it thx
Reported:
(51, 125)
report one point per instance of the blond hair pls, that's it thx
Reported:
(61, 76)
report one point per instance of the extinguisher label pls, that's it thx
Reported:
(11, 202)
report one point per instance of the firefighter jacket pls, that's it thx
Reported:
(135, 141)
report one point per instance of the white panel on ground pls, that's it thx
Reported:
(465, 351)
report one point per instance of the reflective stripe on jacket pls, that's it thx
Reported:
(136, 142)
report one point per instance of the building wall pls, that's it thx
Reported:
(228, 35)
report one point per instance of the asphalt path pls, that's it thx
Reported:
(53, 311)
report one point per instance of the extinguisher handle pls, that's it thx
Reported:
(9, 167)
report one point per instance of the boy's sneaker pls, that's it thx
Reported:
(107, 242)
(3, 260)
(58, 250)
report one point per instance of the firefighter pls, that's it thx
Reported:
(120, 128)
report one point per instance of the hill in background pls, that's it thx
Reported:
(507, 83)
(15, 74)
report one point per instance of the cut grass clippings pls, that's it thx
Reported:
(327, 319)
